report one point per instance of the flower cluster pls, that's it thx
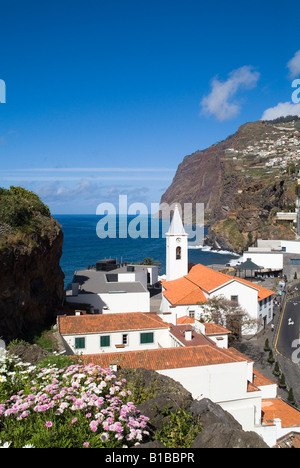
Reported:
(85, 398)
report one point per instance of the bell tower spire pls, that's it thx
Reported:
(177, 248)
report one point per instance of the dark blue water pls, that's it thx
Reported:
(82, 246)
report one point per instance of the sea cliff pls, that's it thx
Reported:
(243, 182)
(31, 280)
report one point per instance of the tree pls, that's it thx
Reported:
(282, 382)
(291, 398)
(227, 313)
(276, 370)
(267, 346)
(149, 261)
(271, 357)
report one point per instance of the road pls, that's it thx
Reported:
(288, 338)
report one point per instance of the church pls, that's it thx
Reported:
(185, 291)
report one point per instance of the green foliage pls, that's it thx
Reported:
(18, 207)
(291, 397)
(139, 392)
(271, 357)
(282, 382)
(179, 431)
(58, 361)
(267, 346)
(276, 370)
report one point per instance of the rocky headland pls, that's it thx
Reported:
(31, 280)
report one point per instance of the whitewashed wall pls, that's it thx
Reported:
(92, 341)
(118, 302)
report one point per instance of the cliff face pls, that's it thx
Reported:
(31, 280)
(243, 182)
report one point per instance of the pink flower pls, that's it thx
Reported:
(94, 426)
(48, 424)
(73, 420)
(86, 444)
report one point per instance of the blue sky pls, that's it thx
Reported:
(107, 97)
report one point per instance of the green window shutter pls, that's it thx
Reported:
(79, 343)
(104, 341)
(146, 338)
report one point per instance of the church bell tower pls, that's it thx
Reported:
(177, 249)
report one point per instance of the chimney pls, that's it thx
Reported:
(188, 335)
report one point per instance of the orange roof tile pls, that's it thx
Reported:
(260, 380)
(79, 324)
(215, 329)
(184, 320)
(276, 408)
(207, 278)
(182, 291)
(191, 288)
(166, 358)
(252, 388)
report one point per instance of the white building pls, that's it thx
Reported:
(113, 288)
(92, 334)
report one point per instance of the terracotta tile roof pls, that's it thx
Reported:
(207, 278)
(184, 320)
(191, 288)
(260, 380)
(183, 292)
(166, 358)
(215, 329)
(178, 331)
(252, 388)
(83, 324)
(276, 408)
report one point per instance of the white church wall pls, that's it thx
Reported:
(246, 296)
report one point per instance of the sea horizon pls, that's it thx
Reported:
(83, 248)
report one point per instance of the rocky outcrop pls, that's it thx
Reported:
(31, 285)
(31, 280)
(219, 429)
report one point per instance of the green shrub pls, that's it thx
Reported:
(179, 431)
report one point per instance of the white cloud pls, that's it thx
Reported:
(294, 65)
(220, 100)
(283, 109)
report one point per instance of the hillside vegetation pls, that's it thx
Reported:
(22, 216)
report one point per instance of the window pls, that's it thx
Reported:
(178, 253)
(80, 343)
(192, 313)
(235, 298)
(146, 338)
(295, 261)
(124, 339)
(104, 341)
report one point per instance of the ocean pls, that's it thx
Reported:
(82, 246)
